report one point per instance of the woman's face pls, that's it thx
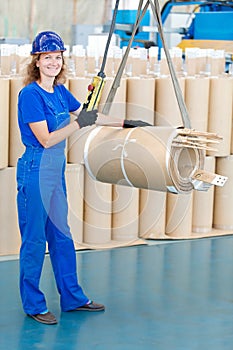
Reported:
(50, 64)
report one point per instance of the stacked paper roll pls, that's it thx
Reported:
(79, 58)
(179, 215)
(136, 63)
(75, 194)
(196, 99)
(5, 59)
(166, 105)
(223, 199)
(220, 112)
(125, 213)
(97, 211)
(139, 67)
(140, 99)
(78, 86)
(4, 122)
(118, 107)
(80, 66)
(10, 236)
(176, 57)
(164, 69)
(152, 209)
(203, 203)
(16, 147)
(191, 66)
(91, 65)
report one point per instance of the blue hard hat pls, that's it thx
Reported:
(47, 42)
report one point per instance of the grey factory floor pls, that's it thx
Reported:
(171, 296)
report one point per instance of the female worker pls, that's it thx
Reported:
(44, 105)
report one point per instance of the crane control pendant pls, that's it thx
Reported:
(94, 93)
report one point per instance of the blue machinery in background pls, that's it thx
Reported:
(211, 22)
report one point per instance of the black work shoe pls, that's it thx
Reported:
(47, 318)
(92, 306)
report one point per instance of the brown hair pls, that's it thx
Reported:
(33, 72)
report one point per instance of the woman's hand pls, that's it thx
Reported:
(86, 118)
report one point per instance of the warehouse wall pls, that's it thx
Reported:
(31, 16)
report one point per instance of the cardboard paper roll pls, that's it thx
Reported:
(179, 215)
(16, 147)
(196, 99)
(80, 66)
(9, 237)
(191, 66)
(91, 65)
(138, 67)
(217, 65)
(164, 69)
(220, 112)
(141, 99)
(125, 213)
(23, 62)
(5, 65)
(152, 209)
(166, 105)
(4, 122)
(223, 198)
(203, 203)
(141, 157)
(97, 211)
(75, 195)
(118, 107)
(78, 87)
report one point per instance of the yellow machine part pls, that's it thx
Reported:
(94, 93)
(226, 45)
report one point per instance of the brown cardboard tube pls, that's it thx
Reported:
(203, 202)
(97, 211)
(166, 105)
(223, 199)
(75, 194)
(118, 106)
(4, 122)
(179, 215)
(141, 99)
(16, 147)
(91, 65)
(152, 209)
(220, 112)
(80, 66)
(79, 88)
(125, 213)
(10, 237)
(196, 99)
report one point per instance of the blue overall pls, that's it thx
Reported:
(42, 212)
